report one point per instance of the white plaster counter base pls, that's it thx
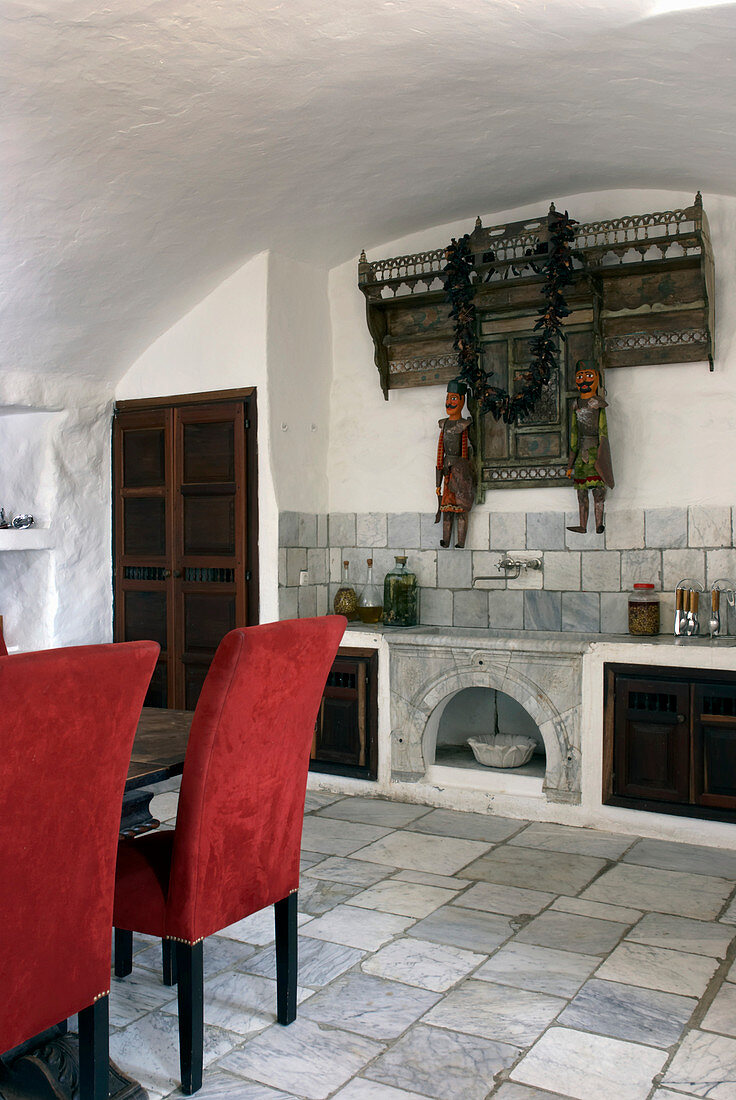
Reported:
(573, 664)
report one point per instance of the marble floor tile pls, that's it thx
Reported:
(646, 888)
(599, 909)
(240, 1003)
(258, 928)
(587, 1066)
(318, 896)
(369, 1005)
(442, 1064)
(539, 969)
(410, 899)
(509, 900)
(535, 869)
(135, 995)
(163, 806)
(729, 917)
(666, 1094)
(575, 841)
(148, 1050)
(224, 1086)
(705, 1065)
(692, 858)
(361, 1089)
(355, 872)
(374, 811)
(316, 800)
(721, 1016)
(337, 838)
(319, 962)
(422, 963)
(309, 859)
(366, 929)
(659, 968)
(466, 928)
(568, 932)
(438, 855)
(627, 1012)
(511, 1091)
(492, 1011)
(683, 934)
(467, 826)
(426, 878)
(303, 1058)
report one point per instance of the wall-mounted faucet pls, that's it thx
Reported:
(506, 563)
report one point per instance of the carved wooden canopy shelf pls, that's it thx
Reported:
(643, 294)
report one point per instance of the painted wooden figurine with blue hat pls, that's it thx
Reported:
(455, 480)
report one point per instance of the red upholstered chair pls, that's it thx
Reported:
(3, 647)
(235, 849)
(69, 719)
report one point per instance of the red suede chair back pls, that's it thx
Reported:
(69, 717)
(239, 823)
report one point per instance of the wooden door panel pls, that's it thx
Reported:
(714, 745)
(652, 753)
(208, 453)
(144, 457)
(208, 616)
(209, 526)
(146, 616)
(144, 527)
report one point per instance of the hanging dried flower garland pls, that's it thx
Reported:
(459, 287)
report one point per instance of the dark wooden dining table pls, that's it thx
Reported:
(158, 754)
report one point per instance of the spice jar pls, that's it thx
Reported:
(346, 600)
(400, 605)
(643, 610)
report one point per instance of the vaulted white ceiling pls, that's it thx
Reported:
(150, 147)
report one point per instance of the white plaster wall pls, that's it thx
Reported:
(222, 344)
(55, 458)
(299, 376)
(670, 426)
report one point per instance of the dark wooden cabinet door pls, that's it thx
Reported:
(346, 728)
(184, 521)
(652, 740)
(714, 745)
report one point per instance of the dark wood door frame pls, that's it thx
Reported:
(167, 406)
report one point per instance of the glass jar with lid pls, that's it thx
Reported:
(643, 610)
(346, 599)
(400, 596)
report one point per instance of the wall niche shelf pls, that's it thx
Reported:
(29, 538)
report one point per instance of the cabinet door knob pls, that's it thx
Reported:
(680, 718)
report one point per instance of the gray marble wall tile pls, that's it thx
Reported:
(317, 565)
(507, 529)
(639, 566)
(307, 529)
(430, 532)
(358, 559)
(720, 564)
(322, 529)
(542, 611)
(614, 612)
(323, 604)
(506, 610)
(625, 529)
(601, 571)
(307, 601)
(383, 562)
(371, 529)
(454, 568)
(484, 565)
(545, 531)
(282, 565)
(678, 564)
(478, 531)
(581, 611)
(709, 526)
(471, 609)
(403, 530)
(289, 529)
(341, 528)
(336, 560)
(574, 540)
(436, 607)
(296, 560)
(423, 563)
(665, 527)
(562, 570)
(289, 603)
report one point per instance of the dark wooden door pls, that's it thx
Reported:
(345, 736)
(184, 534)
(714, 745)
(652, 739)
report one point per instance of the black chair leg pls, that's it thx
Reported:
(190, 964)
(94, 1051)
(123, 952)
(168, 961)
(286, 958)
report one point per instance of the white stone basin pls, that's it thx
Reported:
(501, 750)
